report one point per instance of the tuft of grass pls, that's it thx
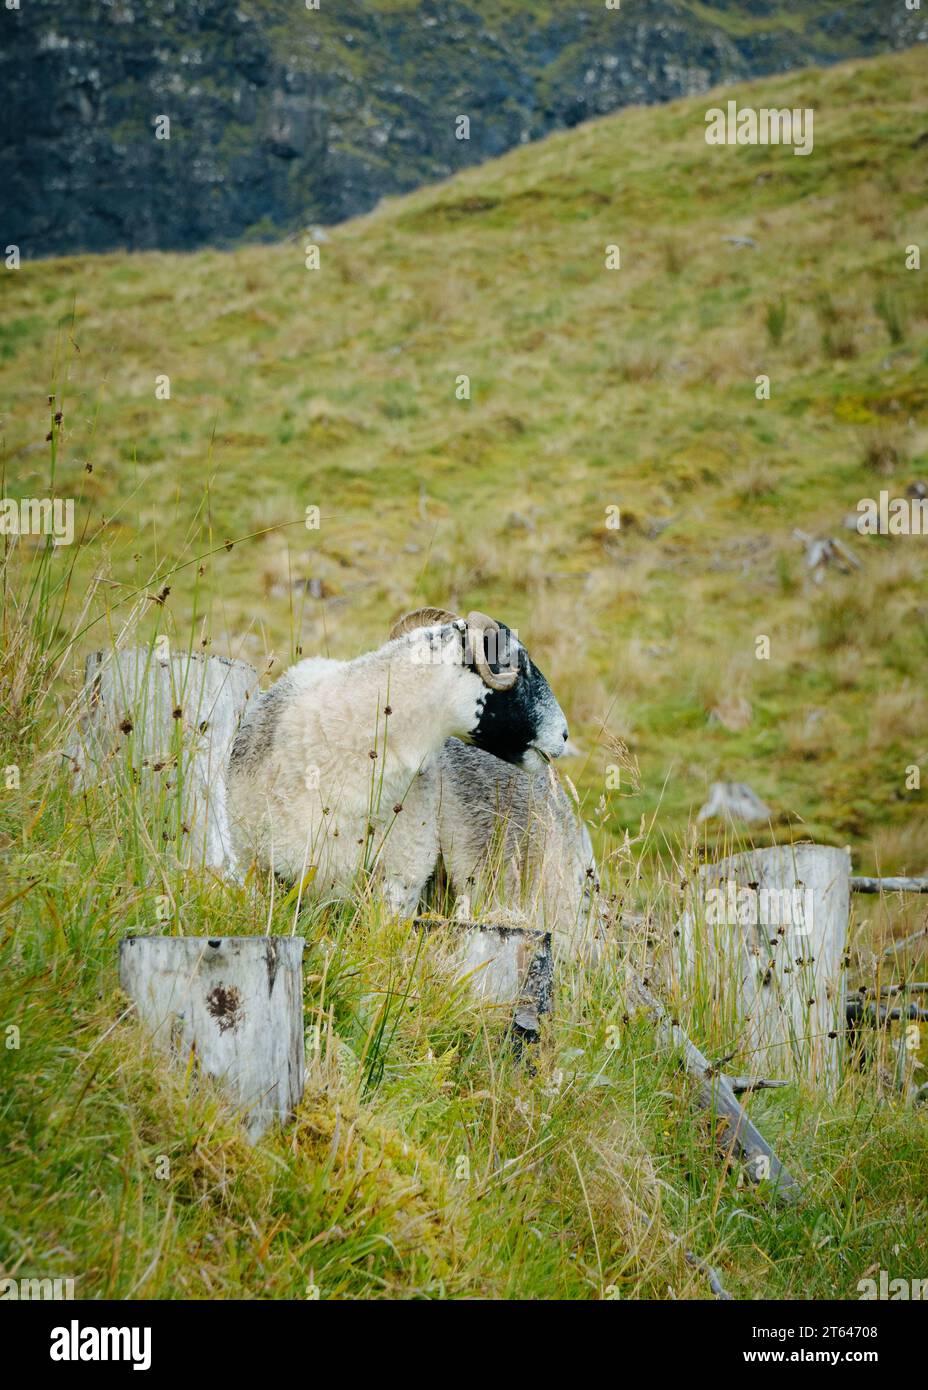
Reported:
(889, 308)
(775, 321)
(883, 451)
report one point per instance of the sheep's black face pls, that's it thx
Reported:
(525, 724)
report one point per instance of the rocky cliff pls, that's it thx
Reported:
(282, 116)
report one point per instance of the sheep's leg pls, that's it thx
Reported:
(409, 852)
(401, 897)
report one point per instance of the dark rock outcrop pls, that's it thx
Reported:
(282, 116)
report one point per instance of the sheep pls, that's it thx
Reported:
(506, 835)
(323, 763)
(514, 848)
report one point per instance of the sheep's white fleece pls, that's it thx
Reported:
(324, 757)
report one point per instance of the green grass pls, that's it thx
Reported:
(426, 1160)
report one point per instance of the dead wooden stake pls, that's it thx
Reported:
(173, 717)
(505, 965)
(765, 933)
(235, 1004)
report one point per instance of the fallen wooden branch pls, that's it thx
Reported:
(889, 885)
(715, 1283)
(740, 1084)
(695, 1261)
(736, 1133)
(859, 1010)
(895, 947)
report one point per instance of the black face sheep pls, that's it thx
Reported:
(324, 760)
(515, 850)
(511, 842)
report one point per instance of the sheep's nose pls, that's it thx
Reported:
(565, 735)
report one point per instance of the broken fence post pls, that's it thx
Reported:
(180, 712)
(505, 965)
(236, 1004)
(734, 801)
(764, 935)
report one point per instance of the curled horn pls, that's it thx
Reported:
(422, 617)
(478, 624)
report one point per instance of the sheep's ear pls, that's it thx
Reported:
(422, 617)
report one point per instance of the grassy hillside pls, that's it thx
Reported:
(590, 389)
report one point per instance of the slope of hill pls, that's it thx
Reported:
(590, 389)
(196, 406)
(282, 115)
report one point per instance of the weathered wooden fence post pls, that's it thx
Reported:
(503, 964)
(180, 712)
(764, 937)
(236, 1003)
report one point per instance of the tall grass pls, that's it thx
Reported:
(427, 1159)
